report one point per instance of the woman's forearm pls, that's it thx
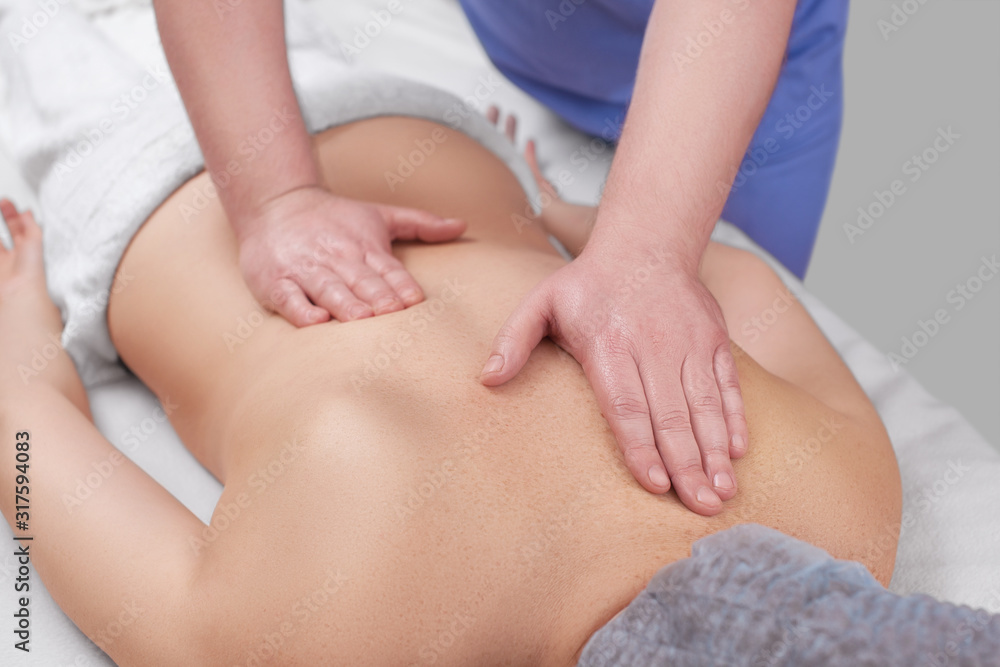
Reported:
(231, 67)
(705, 77)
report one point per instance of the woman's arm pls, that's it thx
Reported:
(110, 543)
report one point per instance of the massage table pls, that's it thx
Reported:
(949, 546)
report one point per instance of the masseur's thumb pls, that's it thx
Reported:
(518, 336)
(410, 224)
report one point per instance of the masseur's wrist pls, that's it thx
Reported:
(247, 189)
(629, 238)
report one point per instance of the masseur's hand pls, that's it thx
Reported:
(653, 343)
(310, 255)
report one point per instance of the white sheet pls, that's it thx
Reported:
(951, 492)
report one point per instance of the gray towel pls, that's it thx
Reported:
(753, 596)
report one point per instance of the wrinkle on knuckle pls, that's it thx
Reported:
(729, 384)
(687, 469)
(635, 452)
(615, 345)
(705, 404)
(672, 421)
(628, 406)
(326, 284)
(355, 281)
(505, 339)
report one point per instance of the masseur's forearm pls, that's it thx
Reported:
(232, 72)
(692, 118)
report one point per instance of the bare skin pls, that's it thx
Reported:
(408, 515)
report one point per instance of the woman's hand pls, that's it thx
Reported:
(21, 270)
(570, 223)
(310, 255)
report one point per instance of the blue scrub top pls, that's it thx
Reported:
(579, 58)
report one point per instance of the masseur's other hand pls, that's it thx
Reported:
(653, 343)
(310, 255)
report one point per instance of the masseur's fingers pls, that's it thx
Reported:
(368, 286)
(410, 224)
(732, 400)
(396, 276)
(704, 404)
(518, 336)
(327, 290)
(670, 416)
(288, 300)
(614, 376)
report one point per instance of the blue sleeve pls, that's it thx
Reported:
(780, 189)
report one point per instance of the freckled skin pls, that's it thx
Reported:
(382, 507)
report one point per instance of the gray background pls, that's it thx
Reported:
(940, 69)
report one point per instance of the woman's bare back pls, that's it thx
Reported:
(381, 506)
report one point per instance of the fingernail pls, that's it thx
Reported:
(493, 364)
(739, 444)
(411, 296)
(357, 311)
(706, 496)
(658, 477)
(724, 481)
(385, 304)
(452, 221)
